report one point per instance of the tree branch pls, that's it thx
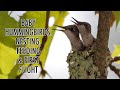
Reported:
(44, 39)
(102, 41)
(113, 68)
(115, 59)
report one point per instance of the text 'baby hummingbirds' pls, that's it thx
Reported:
(72, 33)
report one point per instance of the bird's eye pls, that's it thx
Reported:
(72, 29)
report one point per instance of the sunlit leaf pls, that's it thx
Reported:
(8, 54)
(3, 76)
(8, 58)
(116, 51)
(117, 16)
(7, 22)
(40, 17)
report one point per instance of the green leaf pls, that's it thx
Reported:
(116, 51)
(117, 16)
(3, 76)
(7, 22)
(7, 45)
(8, 55)
(40, 23)
(7, 59)
(40, 17)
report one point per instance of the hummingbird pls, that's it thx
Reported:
(72, 33)
(85, 31)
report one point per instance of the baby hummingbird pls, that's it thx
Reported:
(85, 31)
(72, 33)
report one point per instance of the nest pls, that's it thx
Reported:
(82, 65)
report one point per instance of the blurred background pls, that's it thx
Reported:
(56, 64)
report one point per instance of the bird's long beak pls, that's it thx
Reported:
(60, 27)
(59, 30)
(76, 22)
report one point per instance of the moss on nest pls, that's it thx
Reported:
(82, 65)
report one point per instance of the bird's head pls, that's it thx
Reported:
(82, 26)
(70, 30)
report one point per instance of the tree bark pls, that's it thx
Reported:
(102, 42)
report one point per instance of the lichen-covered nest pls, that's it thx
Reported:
(81, 65)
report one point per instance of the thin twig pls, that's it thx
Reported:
(44, 39)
